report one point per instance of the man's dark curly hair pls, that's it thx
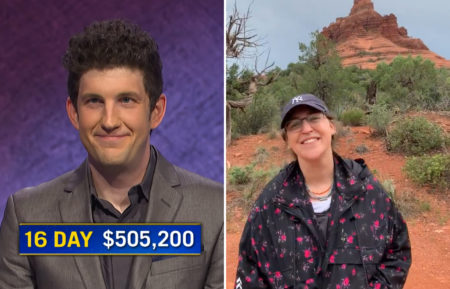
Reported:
(110, 44)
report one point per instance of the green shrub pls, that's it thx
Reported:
(432, 170)
(389, 187)
(410, 82)
(379, 119)
(259, 179)
(341, 129)
(362, 149)
(248, 182)
(415, 136)
(406, 202)
(261, 155)
(409, 205)
(273, 134)
(425, 206)
(353, 117)
(240, 176)
(257, 117)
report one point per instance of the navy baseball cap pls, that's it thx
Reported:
(304, 99)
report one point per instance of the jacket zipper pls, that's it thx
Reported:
(311, 227)
(313, 231)
(335, 215)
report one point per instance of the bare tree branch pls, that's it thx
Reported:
(238, 37)
(240, 103)
(239, 41)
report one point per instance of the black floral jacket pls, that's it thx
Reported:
(367, 243)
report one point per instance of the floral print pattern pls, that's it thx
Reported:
(366, 246)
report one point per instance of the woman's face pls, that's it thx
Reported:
(309, 133)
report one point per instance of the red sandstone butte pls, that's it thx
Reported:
(365, 38)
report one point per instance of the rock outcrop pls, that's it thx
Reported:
(365, 38)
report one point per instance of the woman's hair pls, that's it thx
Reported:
(111, 44)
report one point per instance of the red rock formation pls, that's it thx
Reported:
(364, 38)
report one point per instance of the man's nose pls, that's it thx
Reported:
(110, 119)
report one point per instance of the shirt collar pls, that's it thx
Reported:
(143, 187)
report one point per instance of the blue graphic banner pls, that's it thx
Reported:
(110, 239)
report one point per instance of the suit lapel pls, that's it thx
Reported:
(75, 207)
(164, 202)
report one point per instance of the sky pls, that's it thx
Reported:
(282, 25)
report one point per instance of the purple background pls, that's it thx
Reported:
(37, 141)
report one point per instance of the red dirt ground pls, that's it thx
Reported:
(429, 231)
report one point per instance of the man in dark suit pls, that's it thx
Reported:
(115, 101)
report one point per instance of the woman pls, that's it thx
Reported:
(323, 221)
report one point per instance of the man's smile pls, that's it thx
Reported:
(110, 140)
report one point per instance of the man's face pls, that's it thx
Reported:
(113, 116)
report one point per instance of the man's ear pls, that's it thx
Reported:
(72, 113)
(158, 112)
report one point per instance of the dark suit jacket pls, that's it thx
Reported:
(176, 196)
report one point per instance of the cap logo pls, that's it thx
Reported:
(297, 99)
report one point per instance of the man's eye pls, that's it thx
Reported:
(314, 118)
(93, 100)
(126, 99)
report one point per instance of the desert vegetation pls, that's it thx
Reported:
(383, 99)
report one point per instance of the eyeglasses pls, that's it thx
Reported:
(296, 124)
